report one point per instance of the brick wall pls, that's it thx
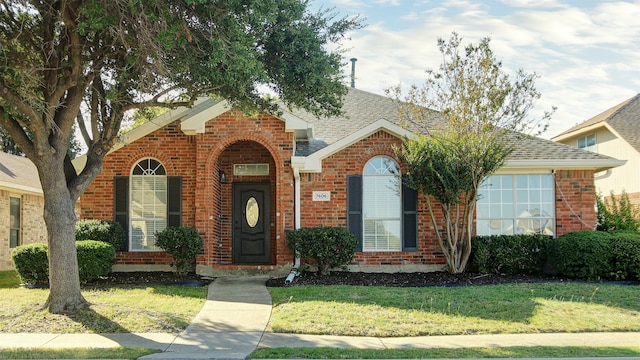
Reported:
(206, 203)
(351, 161)
(175, 151)
(575, 201)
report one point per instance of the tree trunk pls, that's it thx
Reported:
(60, 218)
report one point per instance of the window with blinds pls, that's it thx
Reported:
(381, 205)
(148, 204)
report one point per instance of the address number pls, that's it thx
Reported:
(321, 196)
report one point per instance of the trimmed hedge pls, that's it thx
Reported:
(95, 259)
(107, 231)
(583, 254)
(625, 255)
(330, 247)
(32, 263)
(510, 254)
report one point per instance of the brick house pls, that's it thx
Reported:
(21, 206)
(243, 181)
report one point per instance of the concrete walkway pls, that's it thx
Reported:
(231, 325)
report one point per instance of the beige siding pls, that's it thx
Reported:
(625, 177)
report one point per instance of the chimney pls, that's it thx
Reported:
(353, 72)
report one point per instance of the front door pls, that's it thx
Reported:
(251, 223)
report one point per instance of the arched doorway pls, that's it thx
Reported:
(246, 205)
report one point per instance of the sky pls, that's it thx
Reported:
(586, 53)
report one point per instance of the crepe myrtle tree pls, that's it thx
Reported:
(102, 59)
(469, 113)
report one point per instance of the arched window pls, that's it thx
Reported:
(381, 205)
(148, 204)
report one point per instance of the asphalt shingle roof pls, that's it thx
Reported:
(18, 170)
(362, 108)
(624, 118)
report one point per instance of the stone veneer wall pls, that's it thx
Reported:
(33, 228)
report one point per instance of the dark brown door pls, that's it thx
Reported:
(251, 223)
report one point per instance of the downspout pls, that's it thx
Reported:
(296, 210)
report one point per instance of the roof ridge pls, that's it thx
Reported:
(602, 117)
(625, 104)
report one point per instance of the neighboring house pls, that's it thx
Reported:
(616, 133)
(21, 206)
(244, 181)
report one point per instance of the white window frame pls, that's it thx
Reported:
(588, 143)
(376, 235)
(147, 201)
(12, 228)
(503, 210)
(250, 169)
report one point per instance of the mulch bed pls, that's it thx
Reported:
(143, 278)
(408, 279)
(418, 279)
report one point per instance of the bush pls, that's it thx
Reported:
(95, 259)
(583, 254)
(32, 263)
(617, 213)
(625, 254)
(329, 247)
(110, 232)
(510, 254)
(183, 243)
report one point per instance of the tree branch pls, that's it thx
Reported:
(16, 101)
(15, 129)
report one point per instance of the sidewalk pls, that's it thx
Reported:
(231, 325)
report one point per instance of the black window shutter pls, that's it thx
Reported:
(174, 201)
(409, 218)
(121, 206)
(354, 207)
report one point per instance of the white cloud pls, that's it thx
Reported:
(587, 55)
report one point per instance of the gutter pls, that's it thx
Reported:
(296, 210)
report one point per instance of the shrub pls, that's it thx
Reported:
(330, 247)
(183, 243)
(625, 254)
(510, 254)
(32, 263)
(95, 259)
(110, 232)
(583, 254)
(617, 213)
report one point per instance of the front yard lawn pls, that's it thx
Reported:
(114, 309)
(491, 309)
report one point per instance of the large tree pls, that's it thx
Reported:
(469, 114)
(60, 59)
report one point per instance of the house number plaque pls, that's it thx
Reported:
(322, 196)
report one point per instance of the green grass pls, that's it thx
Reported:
(9, 279)
(508, 308)
(161, 308)
(507, 352)
(115, 353)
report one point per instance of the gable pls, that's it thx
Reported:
(622, 120)
(313, 161)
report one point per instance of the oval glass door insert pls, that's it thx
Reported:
(252, 212)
